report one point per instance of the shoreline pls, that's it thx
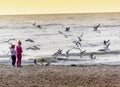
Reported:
(60, 76)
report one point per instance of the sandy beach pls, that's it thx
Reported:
(60, 76)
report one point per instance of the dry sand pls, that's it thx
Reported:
(60, 76)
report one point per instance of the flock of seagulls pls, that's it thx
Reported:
(77, 43)
(34, 47)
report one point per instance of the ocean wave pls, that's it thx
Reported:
(44, 26)
(52, 24)
(44, 34)
(90, 26)
(98, 53)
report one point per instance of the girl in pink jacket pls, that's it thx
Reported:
(19, 53)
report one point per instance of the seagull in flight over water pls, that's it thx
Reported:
(63, 34)
(96, 28)
(82, 52)
(92, 56)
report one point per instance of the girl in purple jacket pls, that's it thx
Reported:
(19, 53)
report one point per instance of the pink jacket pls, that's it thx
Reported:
(19, 50)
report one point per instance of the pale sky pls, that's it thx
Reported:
(57, 6)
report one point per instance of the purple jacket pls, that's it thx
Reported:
(19, 50)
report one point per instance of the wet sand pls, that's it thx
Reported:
(60, 76)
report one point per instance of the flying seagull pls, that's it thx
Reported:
(96, 27)
(92, 56)
(63, 34)
(67, 28)
(82, 52)
(29, 40)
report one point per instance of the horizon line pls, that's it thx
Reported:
(58, 13)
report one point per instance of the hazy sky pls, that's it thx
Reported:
(57, 6)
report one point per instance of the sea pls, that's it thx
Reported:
(48, 33)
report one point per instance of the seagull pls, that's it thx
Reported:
(106, 47)
(60, 32)
(57, 53)
(38, 26)
(67, 29)
(30, 48)
(104, 50)
(29, 40)
(36, 47)
(67, 52)
(96, 27)
(79, 38)
(106, 42)
(82, 52)
(33, 48)
(63, 34)
(92, 56)
(10, 40)
(77, 43)
(82, 35)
